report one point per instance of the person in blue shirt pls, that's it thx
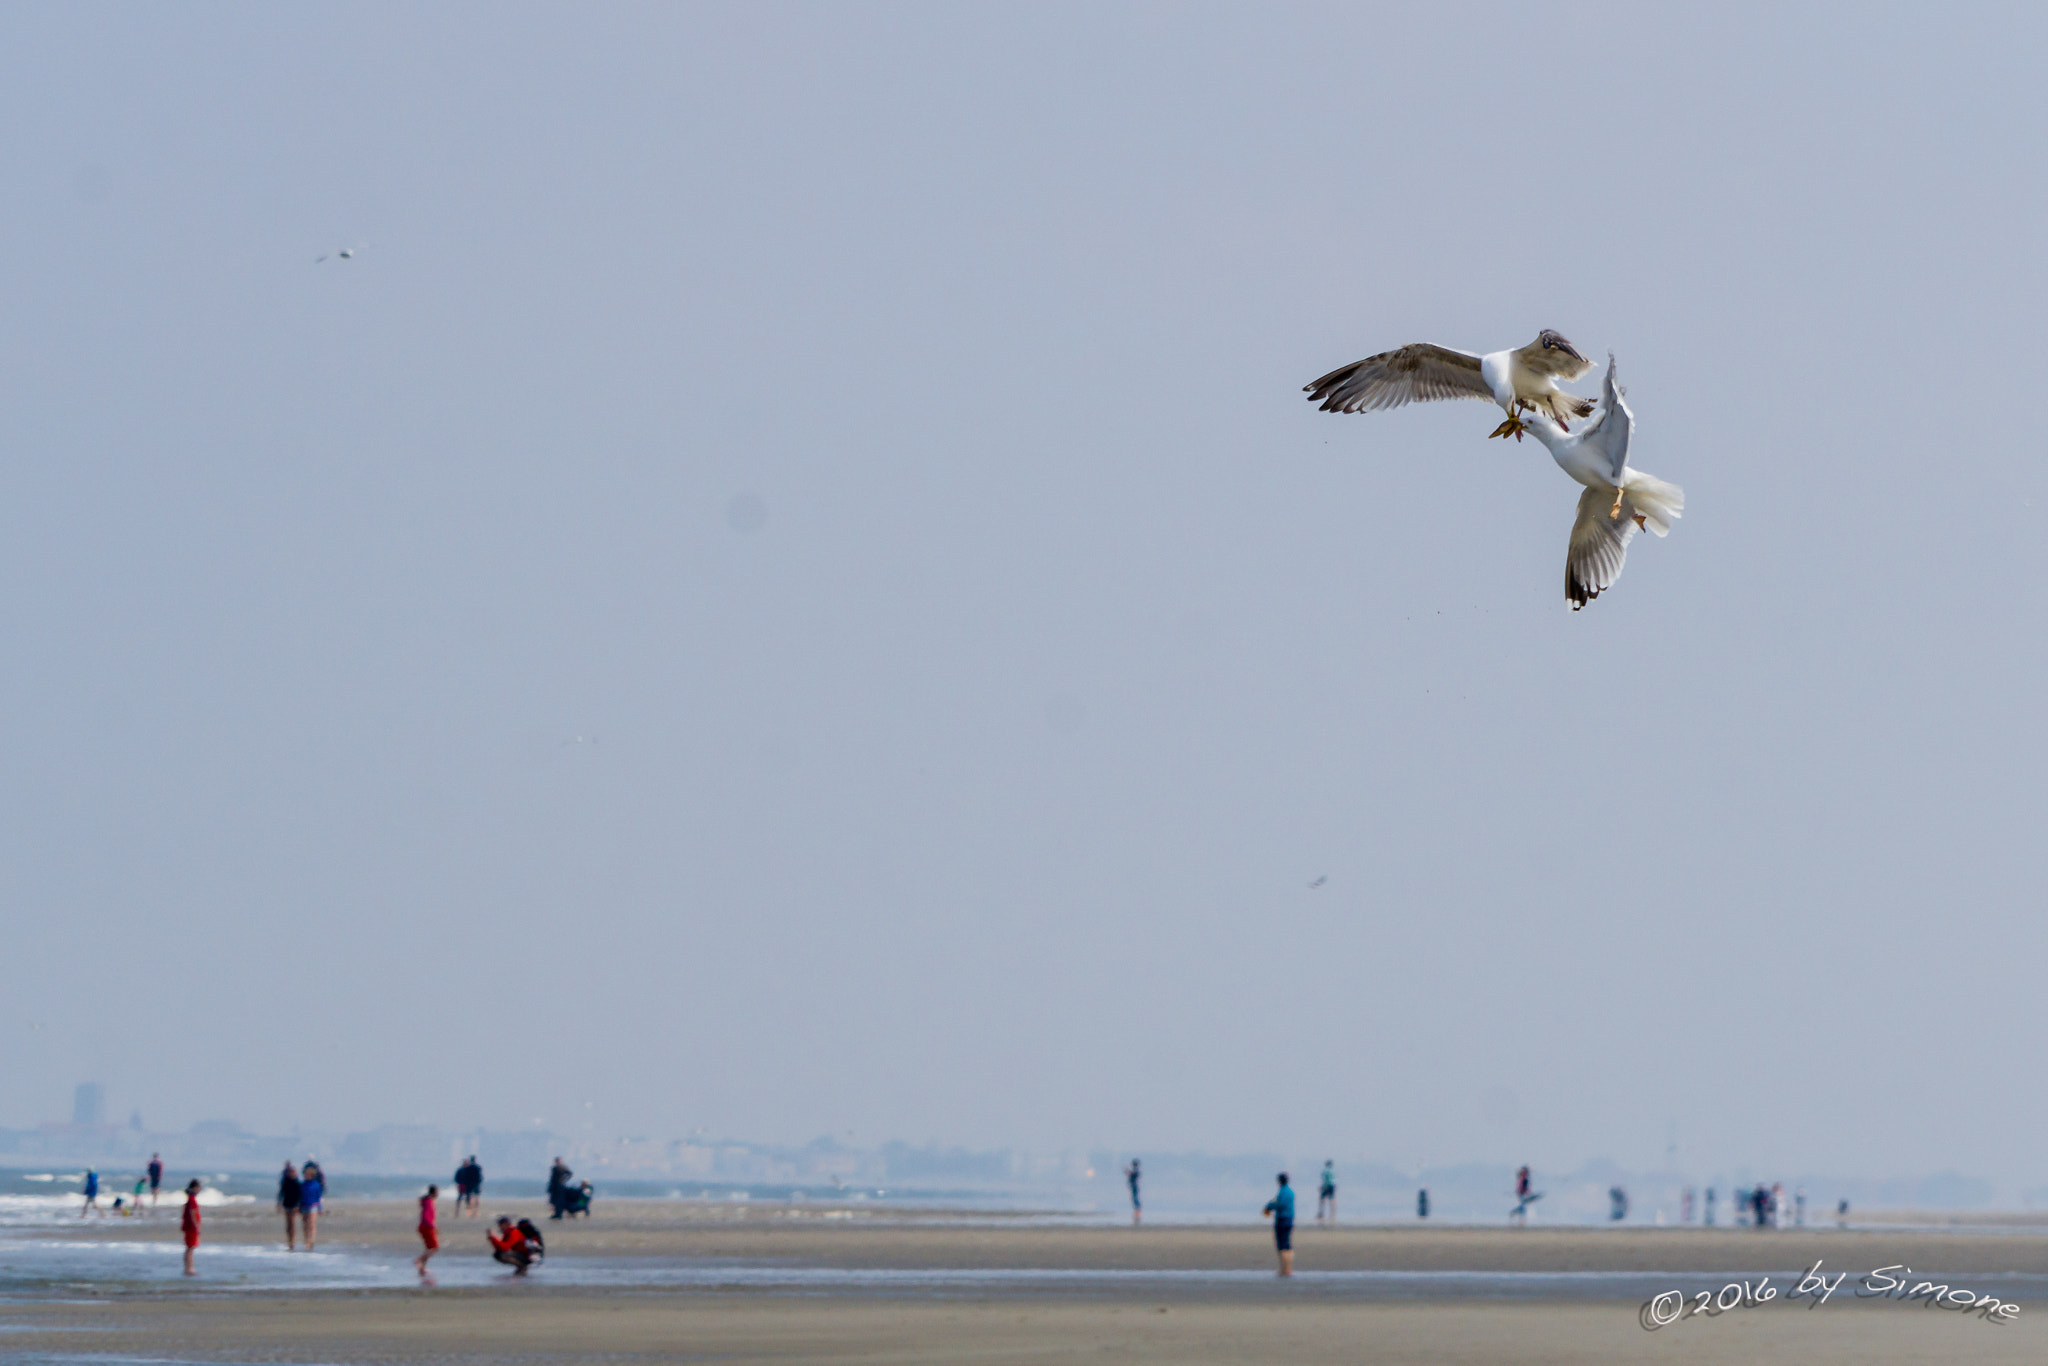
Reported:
(1281, 1207)
(92, 1193)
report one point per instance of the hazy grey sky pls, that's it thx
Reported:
(880, 429)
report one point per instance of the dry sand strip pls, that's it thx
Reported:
(573, 1328)
(893, 1240)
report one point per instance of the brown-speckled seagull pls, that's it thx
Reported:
(1526, 378)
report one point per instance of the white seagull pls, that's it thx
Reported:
(1525, 378)
(1618, 500)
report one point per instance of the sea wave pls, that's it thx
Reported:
(16, 1210)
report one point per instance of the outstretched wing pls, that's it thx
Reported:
(1609, 431)
(1407, 374)
(1599, 544)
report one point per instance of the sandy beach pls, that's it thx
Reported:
(887, 1285)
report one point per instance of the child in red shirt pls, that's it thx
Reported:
(190, 1224)
(429, 1234)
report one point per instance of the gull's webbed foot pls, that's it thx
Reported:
(1615, 511)
(1512, 427)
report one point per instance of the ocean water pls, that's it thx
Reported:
(35, 1192)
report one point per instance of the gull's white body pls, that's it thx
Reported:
(1514, 384)
(1618, 499)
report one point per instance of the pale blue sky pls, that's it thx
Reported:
(881, 430)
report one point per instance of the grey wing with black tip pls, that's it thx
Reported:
(1407, 374)
(1598, 548)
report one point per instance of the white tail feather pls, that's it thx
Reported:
(1659, 504)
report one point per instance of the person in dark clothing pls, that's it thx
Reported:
(469, 1186)
(561, 1195)
(289, 1192)
(1526, 1195)
(156, 1176)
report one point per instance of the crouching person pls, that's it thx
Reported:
(516, 1245)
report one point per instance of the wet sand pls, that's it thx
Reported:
(884, 1237)
(1248, 1319)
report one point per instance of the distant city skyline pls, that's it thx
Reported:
(1198, 1183)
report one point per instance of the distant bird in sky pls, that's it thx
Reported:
(345, 254)
(1524, 379)
(1618, 501)
(580, 740)
(1319, 882)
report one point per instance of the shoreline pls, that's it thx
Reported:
(995, 1289)
(870, 1238)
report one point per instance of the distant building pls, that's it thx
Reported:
(89, 1104)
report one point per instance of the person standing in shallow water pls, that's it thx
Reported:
(312, 1190)
(1281, 1207)
(1132, 1175)
(156, 1176)
(189, 1224)
(430, 1234)
(288, 1193)
(1326, 1193)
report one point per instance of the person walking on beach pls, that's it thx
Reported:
(189, 1224)
(429, 1234)
(1326, 1193)
(1525, 1195)
(289, 1195)
(135, 1204)
(312, 1190)
(156, 1176)
(1133, 1175)
(1710, 1207)
(1281, 1207)
(469, 1186)
(92, 1194)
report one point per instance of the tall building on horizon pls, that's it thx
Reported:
(89, 1103)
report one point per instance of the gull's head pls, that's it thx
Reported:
(1549, 339)
(1545, 429)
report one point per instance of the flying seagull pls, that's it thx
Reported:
(1521, 379)
(346, 254)
(1618, 501)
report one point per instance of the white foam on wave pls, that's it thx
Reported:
(19, 1210)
